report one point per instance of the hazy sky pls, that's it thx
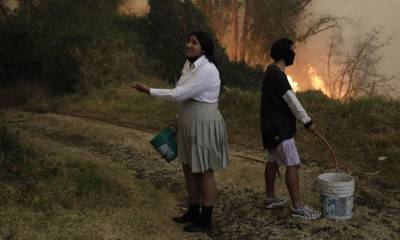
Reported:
(382, 14)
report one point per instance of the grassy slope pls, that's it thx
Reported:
(78, 187)
(60, 191)
(360, 131)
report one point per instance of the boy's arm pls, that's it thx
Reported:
(297, 109)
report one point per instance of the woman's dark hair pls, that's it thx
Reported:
(280, 48)
(206, 43)
(207, 46)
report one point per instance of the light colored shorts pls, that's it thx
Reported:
(284, 154)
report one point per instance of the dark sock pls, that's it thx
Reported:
(194, 209)
(191, 215)
(206, 213)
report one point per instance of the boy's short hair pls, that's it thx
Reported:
(280, 48)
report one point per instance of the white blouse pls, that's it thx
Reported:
(199, 81)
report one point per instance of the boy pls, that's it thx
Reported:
(279, 110)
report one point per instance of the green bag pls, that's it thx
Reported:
(165, 143)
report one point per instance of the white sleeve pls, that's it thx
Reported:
(296, 107)
(199, 82)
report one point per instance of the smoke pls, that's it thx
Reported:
(374, 14)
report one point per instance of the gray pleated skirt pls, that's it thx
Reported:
(202, 137)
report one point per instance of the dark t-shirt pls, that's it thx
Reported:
(277, 120)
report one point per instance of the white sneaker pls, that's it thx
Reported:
(275, 202)
(306, 212)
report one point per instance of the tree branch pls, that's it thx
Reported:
(4, 11)
(321, 25)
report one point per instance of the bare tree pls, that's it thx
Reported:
(244, 38)
(322, 24)
(3, 11)
(234, 31)
(357, 73)
(218, 13)
(257, 21)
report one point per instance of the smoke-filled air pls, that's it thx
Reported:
(199, 119)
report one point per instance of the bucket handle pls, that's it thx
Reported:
(329, 147)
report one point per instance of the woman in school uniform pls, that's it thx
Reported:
(202, 138)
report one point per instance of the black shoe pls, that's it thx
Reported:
(186, 218)
(198, 227)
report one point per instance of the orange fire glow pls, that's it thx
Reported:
(134, 8)
(316, 80)
(293, 83)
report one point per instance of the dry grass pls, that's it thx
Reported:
(361, 131)
(90, 196)
(149, 191)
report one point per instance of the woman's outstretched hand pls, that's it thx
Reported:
(141, 87)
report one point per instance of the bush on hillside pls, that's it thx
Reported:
(67, 45)
(74, 45)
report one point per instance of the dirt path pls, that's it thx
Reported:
(239, 211)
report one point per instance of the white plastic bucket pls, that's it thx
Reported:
(336, 190)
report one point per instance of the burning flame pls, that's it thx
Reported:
(293, 84)
(133, 8)
(316, 80)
